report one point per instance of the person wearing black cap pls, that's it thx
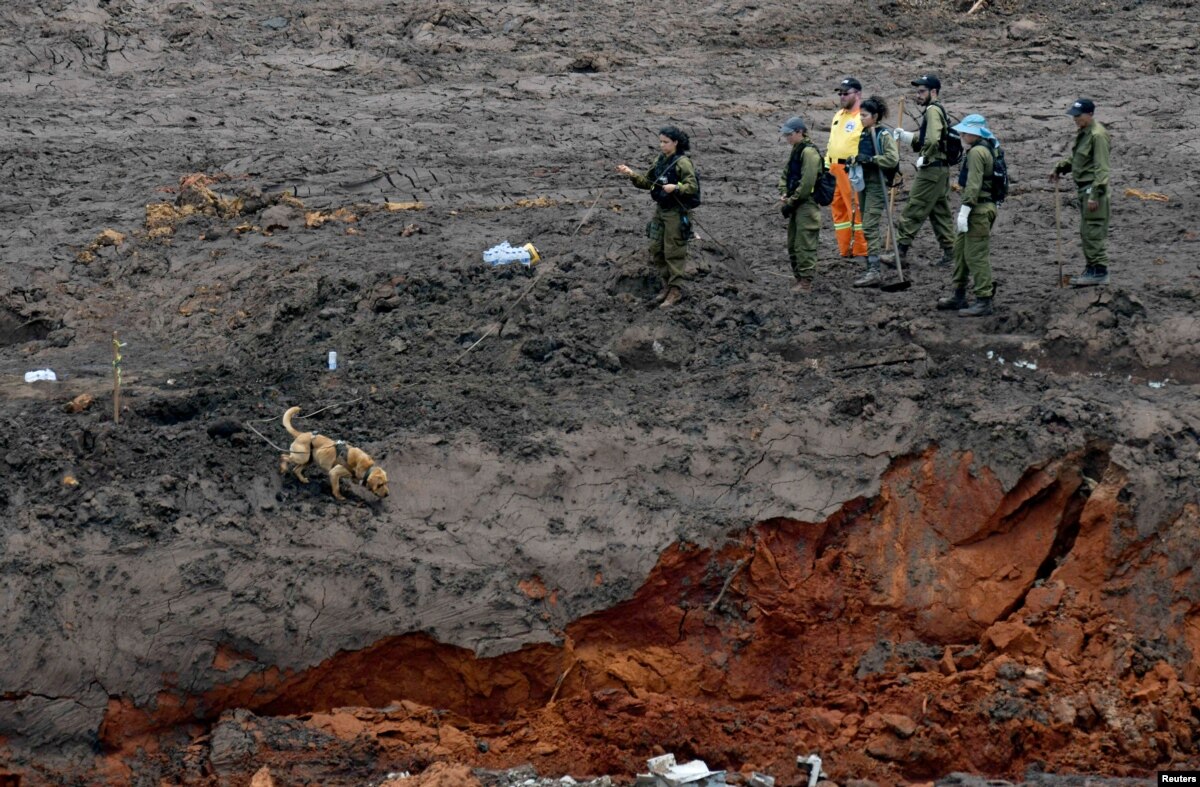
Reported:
(929, 197)
(796, 202)
(844, 136)
(671, 180)
(1089, 164)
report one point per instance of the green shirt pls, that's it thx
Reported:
(810, 167)
(935, 129)
(1090, 158)
(887, 156)
(978, 162)
(685, 175)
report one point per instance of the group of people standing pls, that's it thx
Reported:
(863, 157)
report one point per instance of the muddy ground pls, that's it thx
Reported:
(594, 470)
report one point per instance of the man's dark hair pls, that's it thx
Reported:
(683, 145)
(876, 106)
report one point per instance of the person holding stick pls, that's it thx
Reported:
(673, 186)
(930, 194)
(1089, 164)
(877, 153)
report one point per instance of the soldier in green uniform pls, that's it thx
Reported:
(796, 202)
(673, 186)
(877, 154)
(930, 194)
(972, 246)
(1089, 165)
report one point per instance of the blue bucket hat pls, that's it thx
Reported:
(974, 124)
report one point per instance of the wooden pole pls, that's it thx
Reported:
(116, 363)
(1058, 228)
(892, 192)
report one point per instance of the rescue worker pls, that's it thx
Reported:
(972, 245)
(877, 155)
(1089, 165)
(796, 202)
(930, 194)
(671, 180)
(843, 146)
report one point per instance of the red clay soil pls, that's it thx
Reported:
(930, 631)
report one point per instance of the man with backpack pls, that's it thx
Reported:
(797, 203)
(930, 194)
(972, 255)
(879, 158)
(1089, 166)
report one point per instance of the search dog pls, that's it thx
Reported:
(337, 458)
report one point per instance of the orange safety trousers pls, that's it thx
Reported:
(847, 215)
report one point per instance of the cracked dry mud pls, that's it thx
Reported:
(752, 527)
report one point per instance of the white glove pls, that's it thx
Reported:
(920, 161)
(963, 212)
(904, 136)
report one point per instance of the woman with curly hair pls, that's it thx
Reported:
(673, 186)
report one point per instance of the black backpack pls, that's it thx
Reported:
(999, 172)
(825, 186)
(950, 143)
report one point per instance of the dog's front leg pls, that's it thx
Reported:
(335, 480)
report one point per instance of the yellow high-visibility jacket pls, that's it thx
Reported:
(843, 136)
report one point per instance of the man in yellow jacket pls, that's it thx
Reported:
(843, 146)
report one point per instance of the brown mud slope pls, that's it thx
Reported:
(754, 526)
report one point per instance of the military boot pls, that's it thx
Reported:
(982, 307)
(954, 302)
(871, 277)
(1093, 275)
(903, 255)
(947, 257)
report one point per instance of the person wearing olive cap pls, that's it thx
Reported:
(796, 203)
(929, 197)
(972, 256)
(1089, 164)
(844, 135)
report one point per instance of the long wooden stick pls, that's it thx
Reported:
(892, 191)
(979, 4)
(558, 684)
(116, 363)
(1058, 229)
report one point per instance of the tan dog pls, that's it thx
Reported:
(338, 459)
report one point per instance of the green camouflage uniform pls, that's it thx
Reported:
(668, 240)
(929, 197)
(804, 225)
(874, 195)
(1089, 165)
(972, 249)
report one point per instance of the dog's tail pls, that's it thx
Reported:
(287, 421)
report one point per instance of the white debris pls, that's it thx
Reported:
(41, 374)
(1157, 383)
(1022, 364)
(813, 763)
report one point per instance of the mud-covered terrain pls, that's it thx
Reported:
(753, 526)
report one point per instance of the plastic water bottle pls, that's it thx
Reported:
(333, 360)
(506, 254)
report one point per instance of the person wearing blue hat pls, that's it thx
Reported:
(972, 244)
(796, 184)
(1089, 165)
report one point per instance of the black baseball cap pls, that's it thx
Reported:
(928, 80)
(1082, 106)
(849, 83)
